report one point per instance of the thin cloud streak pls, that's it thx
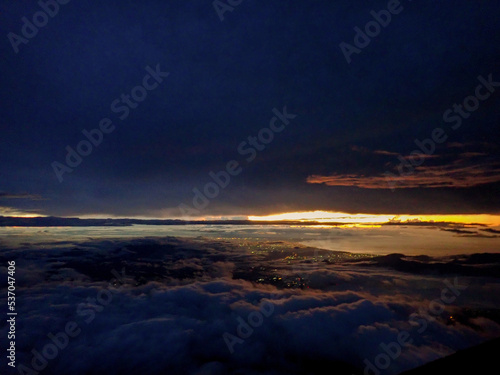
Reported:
(33, 197)
(441, 176)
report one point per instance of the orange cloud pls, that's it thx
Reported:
(450, 176)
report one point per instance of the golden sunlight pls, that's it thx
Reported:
(342, 217)
(9, 211)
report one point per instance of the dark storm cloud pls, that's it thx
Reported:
(226, 77)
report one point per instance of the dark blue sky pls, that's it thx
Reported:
(226, 77)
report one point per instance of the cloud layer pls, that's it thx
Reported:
(166, 306)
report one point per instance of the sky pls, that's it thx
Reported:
(403, 122)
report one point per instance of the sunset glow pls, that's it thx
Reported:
(341, 217)
(8, 211)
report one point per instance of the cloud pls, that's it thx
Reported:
(491, 230)
(33, 197)
(19, 212)
(8, 210)
(366, 150)
(479, 235)
(383, 152)
(161, 321)
(459, 231)
(470, 233)
(452, 175)
(365, 182)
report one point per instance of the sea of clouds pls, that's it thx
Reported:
(174, 306)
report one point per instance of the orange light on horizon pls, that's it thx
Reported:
(19, 214)
(342, 217)
(325, 217)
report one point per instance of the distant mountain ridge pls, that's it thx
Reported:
(54, 221)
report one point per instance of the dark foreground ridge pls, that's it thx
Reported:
(480, 359)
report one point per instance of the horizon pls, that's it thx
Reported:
(319, 217)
